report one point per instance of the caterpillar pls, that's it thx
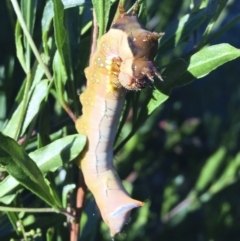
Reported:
(123, 61)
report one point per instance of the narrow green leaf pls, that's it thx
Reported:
(50, 234)
(46, 26)
(60, 76)
(232, 169)
(207, 60)
(34, 103)
(13, 218)
(210, 58)
(59, 30)
(222, 30)
(210, 169)
(102, 9)
(61, 151)
(28, 8)
(3, 103)
(204, 3)
(49, 158)
(162, 90)
(179, 31)
(24, 169)
(44, 129)
(72, 3)
(35, 99)
(37, 75)
(214, 10)
(19, 46)
(61, 38)
(9, 198)
(228, 177)
(157, 99)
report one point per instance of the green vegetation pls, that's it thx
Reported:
(181, 156)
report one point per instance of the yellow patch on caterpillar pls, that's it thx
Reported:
(110, 87)
(108, 62)
(111, 78)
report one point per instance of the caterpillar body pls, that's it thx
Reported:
(123, 60)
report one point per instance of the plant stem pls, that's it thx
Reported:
(37, 210)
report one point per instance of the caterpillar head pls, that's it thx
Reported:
(138, 69)
(138, 49)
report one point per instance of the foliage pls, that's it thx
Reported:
(181, 155)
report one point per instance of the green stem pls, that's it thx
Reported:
(102, 19)
(21, 227)
(28, 48)
(36, 210)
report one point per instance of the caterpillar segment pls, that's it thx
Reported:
(123, 61)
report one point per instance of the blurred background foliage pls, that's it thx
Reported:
(183, 160)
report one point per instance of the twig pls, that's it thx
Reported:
(69, 112)
(132, 177)
(182, 206)
(94, 35)
(75, 227)
(37, 210)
